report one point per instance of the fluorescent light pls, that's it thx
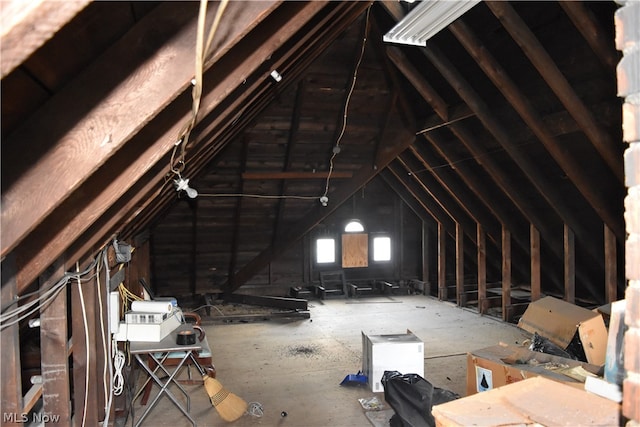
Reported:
(426, 20)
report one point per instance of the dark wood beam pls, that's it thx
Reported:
(85, 333)
(408, 198)
(295, 175)
(443, 172)
(556, 200)
(601, 43)
(536, 261)
(460, 295)
(610, 151)
(161, 136)
(424, 198)
(10, 367)
(611, 266)
(482, 270)
(589, 185)
(442, 263)
(56, 386)
(569, 265)
(28, 25)
(506, 275)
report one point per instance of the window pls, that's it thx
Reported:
(354, 226)
(325, 251)
(381, 248)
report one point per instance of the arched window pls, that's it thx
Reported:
(354, 226)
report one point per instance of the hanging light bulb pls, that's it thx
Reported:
(183, 184)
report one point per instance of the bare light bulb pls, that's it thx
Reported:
(183, 184)
(324, 200)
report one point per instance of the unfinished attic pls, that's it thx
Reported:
(212, 156)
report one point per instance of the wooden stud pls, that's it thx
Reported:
(569, 265)
(84, 353)
(442, 262)
(610, 265)
(426, 235)
(506, 275)
(10, 350)
(460, 295)
(482, 270)
(536, 279)
(56, 387)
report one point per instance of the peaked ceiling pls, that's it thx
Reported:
(507, 118)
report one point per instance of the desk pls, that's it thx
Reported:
(158, 352)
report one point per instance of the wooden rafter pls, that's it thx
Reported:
(27, 25)
(539, 57)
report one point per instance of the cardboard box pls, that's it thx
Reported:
(496, 366)
(558, 321)
(534, 401)
(399, 352)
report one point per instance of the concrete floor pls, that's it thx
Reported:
(296, 365)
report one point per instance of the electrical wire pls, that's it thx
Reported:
(257, 196)
(336, 148)
(118, 378)
(202, 50)
(255, 409)
(86, 342)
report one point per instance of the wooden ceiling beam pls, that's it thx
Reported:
(556, 201)
(610, 150)
(217, 128)
(585, 21)
(161, 134)
(295, 175)
(420, 192)
(103, 111)
(430, 186)
(587, 184)
(27, 25)
(466, 199)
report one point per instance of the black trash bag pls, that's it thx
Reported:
(543, 345)
(409, 395)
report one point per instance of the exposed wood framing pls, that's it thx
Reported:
(538, 178)
(506, 275)
(611, 265)
(482, 270)
(133, 171)
(442, 263)
(460, 293)
(83, 324)
(588, 184)
(10, 349)
(536, 279)
(599, 137)
(295, 175)
(396, 141)
(569, 265)
(27, 25)
(56, 386)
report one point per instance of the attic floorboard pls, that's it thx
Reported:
(260, 362)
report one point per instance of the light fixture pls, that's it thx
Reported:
(276, 76)
(426, 20)
(324, 200)
(183, 184)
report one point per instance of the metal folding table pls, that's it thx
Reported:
(158, 352)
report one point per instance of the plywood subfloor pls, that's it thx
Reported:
(296, 366)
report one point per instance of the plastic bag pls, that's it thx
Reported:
(543, 345)
(410, 397)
